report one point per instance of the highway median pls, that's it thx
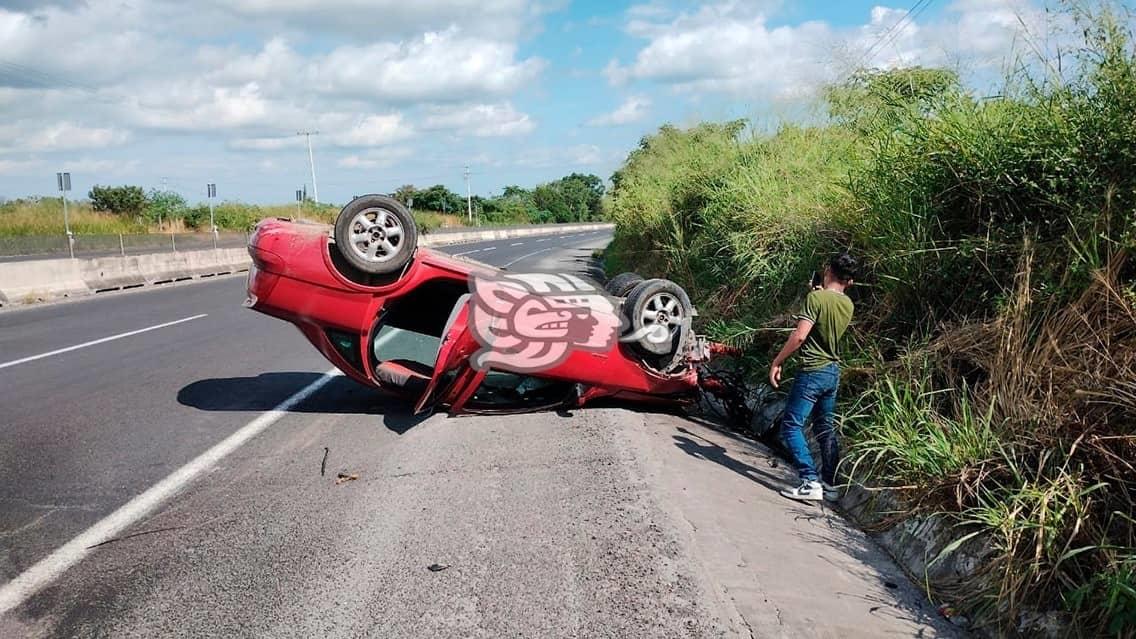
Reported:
(34, 281)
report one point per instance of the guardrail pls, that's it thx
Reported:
(24, 247)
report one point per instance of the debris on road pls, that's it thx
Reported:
(438, 567)
(951, 614)
(323, 462)
(343, 478)
(131, 536)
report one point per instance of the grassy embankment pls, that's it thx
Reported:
(45, 217)
(992, 379)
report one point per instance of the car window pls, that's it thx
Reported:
(400, 343)
(502, 389)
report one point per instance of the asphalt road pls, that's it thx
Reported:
(537, 525)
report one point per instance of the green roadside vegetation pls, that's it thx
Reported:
(993, 377)
(130, 209)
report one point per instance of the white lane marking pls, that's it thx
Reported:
(561, 237)
(467, 252)
(528, 255)
(491, 248)
(99, 341)
(516, 243)
(48, 569)
(544, 240)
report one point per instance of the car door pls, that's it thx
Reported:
(452, 370)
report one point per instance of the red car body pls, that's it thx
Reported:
(297, 277)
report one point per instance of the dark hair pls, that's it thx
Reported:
(844, 267)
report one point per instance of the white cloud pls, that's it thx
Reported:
(439, 66)
(729, 47)
(571, 158)
(480, 120)
(195, 106)
(387, 18)
(87, 165)
(377, 159)
(91, 44)
(266, 143)
(58, 136)
(632, 110)
(336, 129)
(373, 130)
(20, 167)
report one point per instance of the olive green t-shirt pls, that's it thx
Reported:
(830, 312)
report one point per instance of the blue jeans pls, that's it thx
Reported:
(813, 393)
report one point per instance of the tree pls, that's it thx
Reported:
(165, 205)
(404, 193)
(573, 198)
(439, 198)
(127, 201)
(549, 197)
(585, 192)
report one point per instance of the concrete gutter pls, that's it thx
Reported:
(33, 281)
(921, 545)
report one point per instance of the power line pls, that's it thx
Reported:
(919, 6)
(910, 22)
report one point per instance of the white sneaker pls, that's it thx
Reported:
(831, 493)
(807, 491)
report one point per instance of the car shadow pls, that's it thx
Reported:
(710, 451)
(266, 391)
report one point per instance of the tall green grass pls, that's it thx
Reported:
(995, 314)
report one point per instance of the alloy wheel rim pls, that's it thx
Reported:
(662, 315)
(376, 235)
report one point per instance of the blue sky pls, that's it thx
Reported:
(155, 92)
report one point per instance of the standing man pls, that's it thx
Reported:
(820, 325)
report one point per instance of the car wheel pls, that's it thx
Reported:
(622, 284)
(659, 313)
(376, 234)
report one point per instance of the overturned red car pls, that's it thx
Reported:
(451, 332)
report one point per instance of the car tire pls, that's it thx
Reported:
(376, 234)
(661, 311)
(621, 284)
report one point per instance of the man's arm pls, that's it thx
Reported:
(791, 345)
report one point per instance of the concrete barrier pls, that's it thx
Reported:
(110, 273)
(39, 280)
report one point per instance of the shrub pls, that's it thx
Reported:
(127, 201)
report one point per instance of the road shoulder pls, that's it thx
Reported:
(786, 569)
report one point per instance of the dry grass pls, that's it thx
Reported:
(1047, 478)
(45, 217)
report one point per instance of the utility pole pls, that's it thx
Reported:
(210, 194)
(312, 163)
(160, 210)
(468, 195)
(64, 181)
